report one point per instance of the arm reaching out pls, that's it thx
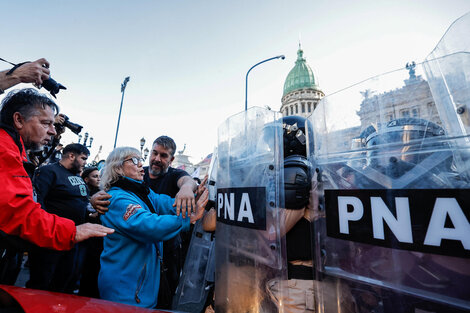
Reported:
(33, 72)
(88, 230)
(184, 199)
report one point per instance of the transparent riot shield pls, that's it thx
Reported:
(198, 272)
(448, 71)
(395, 236)
(197, 279)
(249, 249)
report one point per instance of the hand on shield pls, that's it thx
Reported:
(202, 186)
(201, 202)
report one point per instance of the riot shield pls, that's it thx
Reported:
(250, 250)
(198, 272)
(197, 279)
(396, 233)
(448, 71)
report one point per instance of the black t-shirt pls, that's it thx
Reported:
(167, 183)
(61, 192)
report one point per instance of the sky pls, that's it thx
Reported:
(187, 59)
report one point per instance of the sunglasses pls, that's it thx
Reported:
(135, 160)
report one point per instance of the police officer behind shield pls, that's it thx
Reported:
(296, 217)
(301, 203)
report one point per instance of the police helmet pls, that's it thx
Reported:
(295, 135)
(407, 140)
(297, 169)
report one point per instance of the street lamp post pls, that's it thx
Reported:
(282, 57)
(123, 88)
(146, 153)
(142, 143)
(85, 140)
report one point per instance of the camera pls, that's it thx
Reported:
(54, 87)
(75, 128)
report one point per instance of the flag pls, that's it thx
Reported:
(207, 159)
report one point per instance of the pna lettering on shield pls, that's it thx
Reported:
(243, 207)
(401, 224)
(421, 220)
(227, 203)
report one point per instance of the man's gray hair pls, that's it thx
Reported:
(167, 143)
(113, 168)
(25, 101)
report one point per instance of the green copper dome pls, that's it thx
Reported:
(301, 76)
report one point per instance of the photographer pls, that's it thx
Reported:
(52, 152)
(33, 72)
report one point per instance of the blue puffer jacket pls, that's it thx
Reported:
(130, 271)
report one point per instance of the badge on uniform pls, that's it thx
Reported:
(131, 210)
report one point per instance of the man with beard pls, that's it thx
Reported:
(63, 192)
(164, 179)
(176, 183)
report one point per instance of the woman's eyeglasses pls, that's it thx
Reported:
(135, 160)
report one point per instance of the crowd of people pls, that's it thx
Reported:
(122, 232)
(79, 226)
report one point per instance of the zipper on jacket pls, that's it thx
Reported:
(140, 282)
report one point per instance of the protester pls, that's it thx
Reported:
(176, 183)
(91, 177)
(63, 192)
(26, 120)
(93, 246)
(130, 267)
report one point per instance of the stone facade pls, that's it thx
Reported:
(301, 102)
(414, 99)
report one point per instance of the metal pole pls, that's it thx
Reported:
(282, 57)
(123, 89)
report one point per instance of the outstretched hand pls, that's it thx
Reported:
(88, 230)
(201, 202)
(202, 186)
(184, 201)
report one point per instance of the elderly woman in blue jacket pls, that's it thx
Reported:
(142, 219)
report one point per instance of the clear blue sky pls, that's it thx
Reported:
(187, 59)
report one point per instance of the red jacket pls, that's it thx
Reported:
(20, 215)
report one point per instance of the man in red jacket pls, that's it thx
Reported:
(27, 120)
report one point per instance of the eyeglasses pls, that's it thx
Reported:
(135, 160)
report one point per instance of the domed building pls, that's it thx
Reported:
(301, 91)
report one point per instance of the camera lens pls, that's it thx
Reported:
(52, 86)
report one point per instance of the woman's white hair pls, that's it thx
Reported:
(113, 168)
